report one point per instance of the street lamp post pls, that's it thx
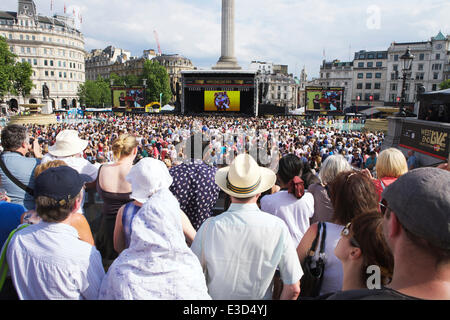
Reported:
(407, 59)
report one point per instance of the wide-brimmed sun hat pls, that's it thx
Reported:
(147, 177)
(244, 178)
(67, 144)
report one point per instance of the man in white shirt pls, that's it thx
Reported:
(242, 248)
(69, 148)
(47, 261)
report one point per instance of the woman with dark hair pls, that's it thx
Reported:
(292, 204)
(352, 194)
(362, 245)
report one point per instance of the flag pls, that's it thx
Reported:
(51, 5)
(64, 8)
(73, 11)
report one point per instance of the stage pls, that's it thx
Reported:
(219, 92)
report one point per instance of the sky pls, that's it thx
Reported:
(299, 33)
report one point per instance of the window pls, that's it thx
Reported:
(370, 56)
(394, 87)
(46, 73)
(378, 75)
(438, 56)
(359, 86)
(369, 64)
(434, 87)
(435, 76)
(368, 86)
(51, 63)
(420, 66)
(52, 73)
(360, 75)
(60, 74)
(436, 66)
(376, 97)
(367, 97)
(379, 64)
(59, 64)
(419, 76)
(28, 50)
(380, 55)
(360, 64)
(368, 75)
(21, 37)
(35, 62)
(28, 38)
(45, 63)
(393, 76)
(396, 57)
(395, 67)
(377, 86)
(421, 56)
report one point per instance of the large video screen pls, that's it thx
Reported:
(324, 98)
(128, 98)
(223, 101)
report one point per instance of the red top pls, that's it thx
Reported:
(386, 181)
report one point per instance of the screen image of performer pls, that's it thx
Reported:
(222, 101)
(122, 99)
(324, 101)
(316, 102)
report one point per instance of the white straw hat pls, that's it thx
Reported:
(147, 177)
(67, 144)
(244, 178)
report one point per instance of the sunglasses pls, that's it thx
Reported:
(346, 231)
(384, 207)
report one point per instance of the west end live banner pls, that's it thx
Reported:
(433, 141)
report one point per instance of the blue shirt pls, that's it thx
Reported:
(23, 169)
(10, 214)
(412, 163)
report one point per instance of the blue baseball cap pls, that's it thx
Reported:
(61, 184)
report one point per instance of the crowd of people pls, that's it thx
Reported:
(298, 198)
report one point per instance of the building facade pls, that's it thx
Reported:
(369, 78)
(279, 88)
(98, 62)
(430, 67)
(338, 74)
(53, 47)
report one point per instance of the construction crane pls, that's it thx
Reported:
(157, 42)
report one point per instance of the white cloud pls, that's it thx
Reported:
(293, 32)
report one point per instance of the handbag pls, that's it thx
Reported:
(311, 281)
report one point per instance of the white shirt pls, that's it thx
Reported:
(243, 247)
(47, 261)
(78, 163)
(295, 212)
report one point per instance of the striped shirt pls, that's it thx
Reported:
(47, 261)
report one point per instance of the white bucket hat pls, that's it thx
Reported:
(67, 144)
(147, 177)
(244, 178)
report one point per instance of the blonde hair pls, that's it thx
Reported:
(123, 146)
(391, 163)
(44, 166)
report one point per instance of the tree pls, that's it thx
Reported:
(445, 85)
(95, 93)
(22, 79)
(157, 82)
(15, 77)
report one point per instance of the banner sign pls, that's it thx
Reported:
(430, 140)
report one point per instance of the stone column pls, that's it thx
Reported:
(227, 59)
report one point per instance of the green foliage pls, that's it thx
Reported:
(445, 85)
(157, 82)
(95, 93)
(23, 83)
(14, 76)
